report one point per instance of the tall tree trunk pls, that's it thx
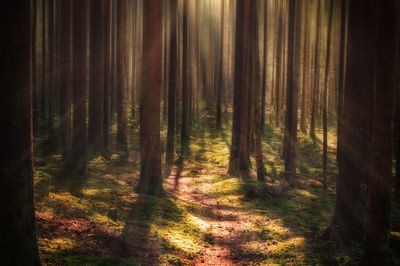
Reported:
(150, 146)
(306, 68)
(221, 68)
(348, 223)
(256, 87)
(107, 72)
(34, 68)
(238, 154)
(380, 180)
(66, 78)
(342, 69)
(290, 137)
(185, 84)
(18, 245)
(315, 90)
(279, 58)
(96, 92)
(324, 101)
(51, 73)
(172, 83)
(44, 64)
(265, 67)
(77, 157)
(122, 77)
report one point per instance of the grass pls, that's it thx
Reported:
(75, 227)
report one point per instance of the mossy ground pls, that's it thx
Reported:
(204, 216)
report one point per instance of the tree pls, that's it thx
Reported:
(107, 71)
(306, 63)
(77, 157)
(239, 154)
(172, 83)
(122, 78)
(348, 222)
(380, 180)
(18, 244)
(66, 78)
(265, 66)
(96, 92)
(290, 137)
(51, 72)
(221, 68)
(279, 68)
(185, 81)
(324, 104)
(150, 146)
(34, 69)
(256, 87)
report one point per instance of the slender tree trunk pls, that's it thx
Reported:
(122, 76)
(172, 83)
(279, 66)
(34, 69)
(306, 67)
(265, 67)
(66, 78)
(380, 181)
(44, 64)
(238, 153)
(185, 84)
(290, 137)
(77, 157)
(324, 104)
(315, 90)
(107, 72)
(342, 69)
(221, 68)
(51, 73)
(150, 146)
(348, 223)
(18, 245)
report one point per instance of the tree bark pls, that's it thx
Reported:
(77, 157)
(107, 72)
(122, 78)
(265, 67)
(150, 146)
(18, 245)
(348, 223)
(185, 81)
(172, 83)
(221, 68)
(380, 181)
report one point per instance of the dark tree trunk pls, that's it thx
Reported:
(240, 92)
(96, 92)
(256, 87)
(44, 65)
(150, 146)
(185, 81)
(315, 90)
(324, 101)
(66, 78)
(107, 72)
(51, 72)
(221, 68)
(172, 83)
(380, 180)
(34, 67)
(122, 76)
(77, 157)
(306, 63)
(290, 137)
(279, 70)
(348, 223)
(342, 69)
(18, 245)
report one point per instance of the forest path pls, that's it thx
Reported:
(229, 230)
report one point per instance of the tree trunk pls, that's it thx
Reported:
(265, 67)
(34, 68)
(315, 90)
(306, 67)
(290, 137)
(380, 181)
(185, 81)
(324, 101)
(51, 73)
(44, 64)
(77, 157)
(107, 72)
(150, 146)
(221, 68)
(172, 83)
(122, 77)
(279, 58)
(256, 87)
(348, 223)
(66, 78)
(18, 245)
(238, 155)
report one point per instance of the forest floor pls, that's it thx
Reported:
(206, 216)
